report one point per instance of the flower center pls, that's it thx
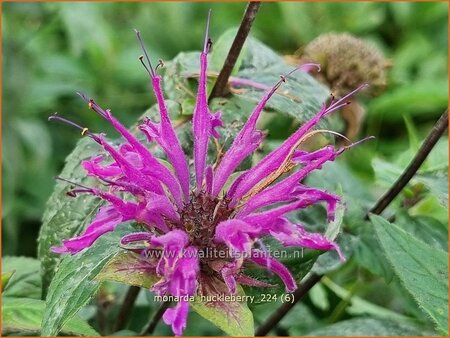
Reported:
(200, 217)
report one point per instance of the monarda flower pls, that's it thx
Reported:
(185, 221)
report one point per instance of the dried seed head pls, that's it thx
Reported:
(347, 62)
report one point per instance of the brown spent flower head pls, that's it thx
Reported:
(347, 62)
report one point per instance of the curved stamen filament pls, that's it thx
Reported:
(151, 72)
(207, 42)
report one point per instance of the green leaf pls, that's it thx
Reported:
(74, 283)
(422, 269)
(361, 307)
(220, 51)
(319, 297)
(129, 268)
(370, 327)
(24, 316)
(300, 97)
(417, 98)
(64, 216)
(233, 317)
(26, 281)
(6, 276)
(430, 205)
(369, 254)
(424, 228)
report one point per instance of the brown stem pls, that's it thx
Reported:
(431, 140)
(127, 306)
(150, 327)
(220, 87)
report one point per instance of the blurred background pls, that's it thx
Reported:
(51, 50)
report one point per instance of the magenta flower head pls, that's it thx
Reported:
(204, 234)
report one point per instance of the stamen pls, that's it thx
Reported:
(283, 79)
(92, 105)
(56, 117)
(59, 178)
(74, 192)
(141, 58)
(83, 96)
(207, 40)
(84, 131)
(361, 141)
(332, 106)
(160, 64)
(323, 131)
(351, 145)
(138, 34)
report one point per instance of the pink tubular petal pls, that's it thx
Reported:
(285, 193)
(228, 274)
(273, 160)
(262, 259)
(289, 188)
(307, 67)
(168, 140)
(158, 170)
(201, 120)
(264, 219)
(236, 234)
(209, 179)
(245, 142)
(290, 234)
(201, 125)
(136, 237)
(93, 168)
(177, 317)
(216, 122)
(106, 220)
(132, 173)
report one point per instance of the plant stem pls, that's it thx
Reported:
(127, 306)
(220, 87)
(150, 327)
(431, 140)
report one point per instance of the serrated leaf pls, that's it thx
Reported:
(370, 327)
(422, 269)
(24, 316)
(74, 283)
(233, 317)
(26, 281)
(64, 216)
(129, 268)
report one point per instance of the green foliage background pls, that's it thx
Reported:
(51, 50)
